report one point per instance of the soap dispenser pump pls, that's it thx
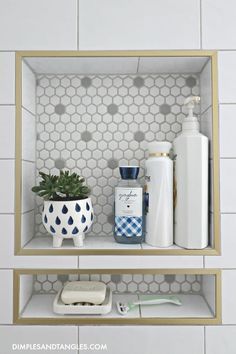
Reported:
(191, 182)
(191, 122)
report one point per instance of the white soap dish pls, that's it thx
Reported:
(83, 308)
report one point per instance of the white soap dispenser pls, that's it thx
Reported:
(191, 182)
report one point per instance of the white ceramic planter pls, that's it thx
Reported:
(68, 219)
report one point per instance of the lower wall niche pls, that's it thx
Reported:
(198, 290)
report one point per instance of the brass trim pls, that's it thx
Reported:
(18, 152)
(107, 252)
(16, 296)
(164, 271)
(116, 321)
(216, 155)
(116, 53)
(218, 298)
(215, 250)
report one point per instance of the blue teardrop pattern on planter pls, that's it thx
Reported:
(91, 216)
(87, 206)
(45, 219)
(83, 219)
(52, 229)
(58, 221)
(85, 229)
(64, 209)
(77, 208)
(43, 209)
(70, 221)
(75, 230)
(64, 231)
(50, 208)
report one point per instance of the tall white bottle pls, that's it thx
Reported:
(159, 195)
(191, 180)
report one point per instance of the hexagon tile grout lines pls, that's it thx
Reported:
(140, 283)
(93, 123)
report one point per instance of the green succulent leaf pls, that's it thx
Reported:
(66, 186)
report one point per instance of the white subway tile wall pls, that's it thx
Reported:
(150, 339)
(38, 335)
(220, 339)
(139, 24)
(7, 190)
(7, 132)
(6, 296)
(7, 70)
(141, 262)
(218, 24)
(38, 25)
(228, 296)
(227, 76)
(227, 185)
(153, 24)
(227, 130)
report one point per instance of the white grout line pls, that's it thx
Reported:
(7, 104)
(209, 107)
(204, 339)
(27, 64)
(227, 158)
(7, 213)
(78, 22)
(200, 24)
(26, 109)
(23, 160)
(225, 50)
(227, 103)
(138, 65)
(28, 211)
(78, 339)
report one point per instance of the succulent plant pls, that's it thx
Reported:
(66, 186)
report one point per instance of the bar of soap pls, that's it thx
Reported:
(93, 292)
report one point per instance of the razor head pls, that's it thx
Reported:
(122, 308)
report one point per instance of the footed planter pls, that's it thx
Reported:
(68, 219)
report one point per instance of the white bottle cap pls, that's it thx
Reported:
(159, 148)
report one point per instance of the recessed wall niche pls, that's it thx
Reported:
(199, 291)
(90, 112)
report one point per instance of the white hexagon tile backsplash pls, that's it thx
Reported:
(91, 124)
(135, 283)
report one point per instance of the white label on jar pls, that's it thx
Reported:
(128, 202)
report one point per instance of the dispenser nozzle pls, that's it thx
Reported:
(190, 103)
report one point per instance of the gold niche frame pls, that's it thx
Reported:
(65, 320)
(212, 55)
